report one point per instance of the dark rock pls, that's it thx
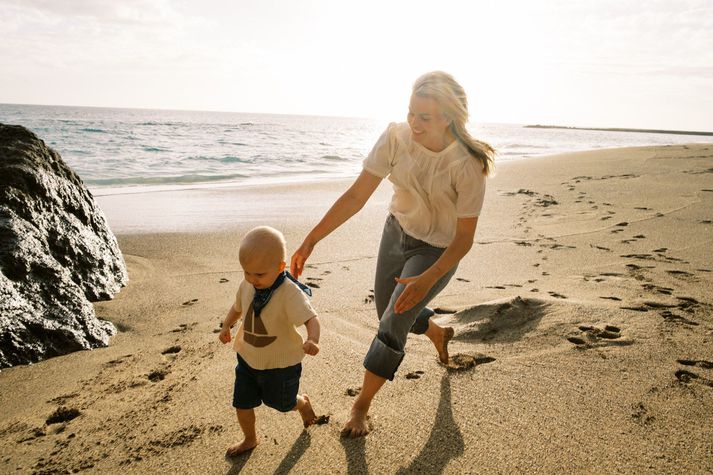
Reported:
(57, 255)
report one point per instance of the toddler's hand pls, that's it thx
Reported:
(224, 335)
(310, 347)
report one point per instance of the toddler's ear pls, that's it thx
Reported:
(283, 264)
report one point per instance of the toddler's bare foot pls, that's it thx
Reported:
(306, 411)
(357, 425)
(241, 448)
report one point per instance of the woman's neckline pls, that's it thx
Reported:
(431, 152)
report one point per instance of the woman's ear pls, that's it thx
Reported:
(283, 264)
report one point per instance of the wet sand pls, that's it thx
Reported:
(583, 322)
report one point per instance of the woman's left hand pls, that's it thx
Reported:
(416, 290)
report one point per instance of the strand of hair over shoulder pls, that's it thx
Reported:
(452, 98)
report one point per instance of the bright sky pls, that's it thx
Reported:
(603, 63)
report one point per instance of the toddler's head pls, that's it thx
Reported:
(262, 256)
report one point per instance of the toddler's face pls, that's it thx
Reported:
(261, 271)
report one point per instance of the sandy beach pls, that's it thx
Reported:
(587, 303)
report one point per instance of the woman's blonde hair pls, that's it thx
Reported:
(451, 96)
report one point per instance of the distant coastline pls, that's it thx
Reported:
(647, 131)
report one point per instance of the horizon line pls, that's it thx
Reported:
(522, 124)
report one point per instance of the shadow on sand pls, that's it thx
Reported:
(298, 449)
(356, 455)
(238, 462)
(445, 441)
(288, 463)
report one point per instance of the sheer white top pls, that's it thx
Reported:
(431, 189)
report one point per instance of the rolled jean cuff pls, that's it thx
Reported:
(382, 360)
(420, 326)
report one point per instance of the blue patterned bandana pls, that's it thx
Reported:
(262, 296)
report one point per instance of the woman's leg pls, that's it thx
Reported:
(357, 425)
(389, 264)
(393, 250)
(386, 351)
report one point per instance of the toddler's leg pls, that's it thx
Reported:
(246, 419)
(305, 409)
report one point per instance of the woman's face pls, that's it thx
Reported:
(429, 126)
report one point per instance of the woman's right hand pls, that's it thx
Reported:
(299, 258)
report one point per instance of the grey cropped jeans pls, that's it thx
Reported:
(400, 255)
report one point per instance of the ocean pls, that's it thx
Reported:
(134, 150)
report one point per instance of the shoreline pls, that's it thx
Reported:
(568, 247)
(219, 207)
(619, 129)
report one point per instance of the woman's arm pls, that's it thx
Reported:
(344, 208)
(417, 287)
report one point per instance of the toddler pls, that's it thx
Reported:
(271, 304)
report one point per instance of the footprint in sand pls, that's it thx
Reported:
(63, 414)
(414, 374)
(656, 288)
(157, 375)
(686, 377)
(592, 337)
(353, 391)
(601, 248)
(460, 279)
(444, 310)
(557, 295)
(466, 361)
(671, 317)
(313, 285)
(171, 350)
(184, 327)
(369, 298)
(617, 299)
(223, 280)
(700, 363)
(640, 415)
(188, 303)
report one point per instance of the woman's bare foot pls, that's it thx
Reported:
(241, 448)
(306, 411)
(357, 425)
(440, 336)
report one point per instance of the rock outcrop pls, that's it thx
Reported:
(57, 255)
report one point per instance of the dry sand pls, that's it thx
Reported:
(588, 298)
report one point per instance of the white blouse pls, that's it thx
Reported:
(431, 190)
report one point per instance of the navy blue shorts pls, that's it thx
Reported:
(277, 388)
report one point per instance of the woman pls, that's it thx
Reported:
(438, 171)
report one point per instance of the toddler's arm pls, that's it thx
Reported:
(311, 345)
(228, 322)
